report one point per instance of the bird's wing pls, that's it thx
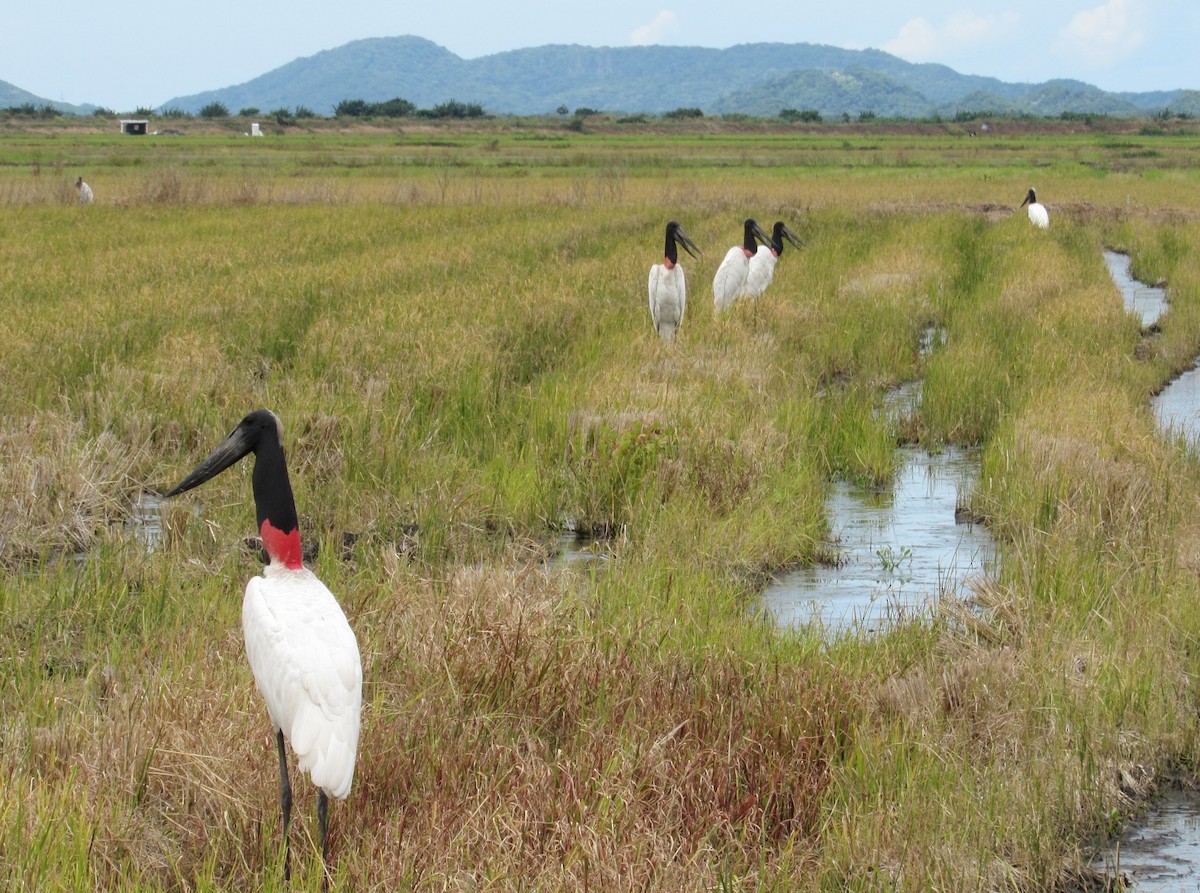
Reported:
(655, 285)
(730, 278)
(761, 271)
(306, 662)
(681, 284)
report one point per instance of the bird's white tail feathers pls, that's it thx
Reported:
(667, 330)
(324, 750)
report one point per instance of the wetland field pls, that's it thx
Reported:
(452, 323)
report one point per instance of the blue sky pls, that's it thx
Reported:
(142, 53)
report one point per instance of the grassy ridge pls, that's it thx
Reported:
(462, 357)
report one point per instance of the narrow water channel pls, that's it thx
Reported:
(1160, 853)
(899, 549)
(1147, 302)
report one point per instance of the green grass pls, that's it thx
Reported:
(452, 326)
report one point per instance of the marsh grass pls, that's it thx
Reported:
(457, 340)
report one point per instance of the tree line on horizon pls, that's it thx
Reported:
(398, 107)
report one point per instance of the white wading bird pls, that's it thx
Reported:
(762, 265)
(730, 282)
(1037, 211)
(85, 191)
(302, 651)
(668, 291)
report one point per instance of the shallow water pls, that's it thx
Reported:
(1178, 406)
(577, 551)
(146, 520)
(1145, 301)
(899, 549)
(1162, 854)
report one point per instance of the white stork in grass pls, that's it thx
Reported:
(1037, 211)
(730, 282)
(301, 649)
(762, 265)
(668, 292)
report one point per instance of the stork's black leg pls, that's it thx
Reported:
(285, 804)
(323, 824)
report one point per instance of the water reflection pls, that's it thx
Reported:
(146, 520)
(578, 551)
(1162, 854)
(1178, 406)
(1146, 301)
(898, 549)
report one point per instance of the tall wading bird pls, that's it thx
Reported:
(730, 282)
(1037, 211)
(85, 191)
(762, 265)
(668, 291)
(301, 649)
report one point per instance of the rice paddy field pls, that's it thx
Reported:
(452, 324)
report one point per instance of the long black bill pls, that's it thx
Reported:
(687, 243)
(792, 237)
(759, 234)
(234, 447)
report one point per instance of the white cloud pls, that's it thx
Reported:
(1103, 35)
(653, 32)
(919, 41)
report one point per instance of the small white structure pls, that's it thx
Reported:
(85, 191)
(254, 129)
(134, 126)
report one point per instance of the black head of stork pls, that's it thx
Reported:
(676, 236)
(261, 433)
(752, 235)
(780, 232)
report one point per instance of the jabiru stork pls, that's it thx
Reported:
(730, 282)
(668, 291)
(301, 649)
(762, 265)
(1038, 215)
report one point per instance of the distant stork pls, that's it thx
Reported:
(1037, 211)
(668, 292)
(730, 282)
(301, 649)
(762, 265)
(85, 191)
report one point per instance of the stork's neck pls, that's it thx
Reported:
(275, 505)
(749, 244)
(670, 252)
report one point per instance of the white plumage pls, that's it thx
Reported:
(667, 287)
(668, 299)
(85, 191)
(306, 663)
(729, 283)
(761, 271)
(762, 266)
(1038, 215)
(730, 278)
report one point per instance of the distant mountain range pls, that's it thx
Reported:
(756, 79)
(11, 96)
